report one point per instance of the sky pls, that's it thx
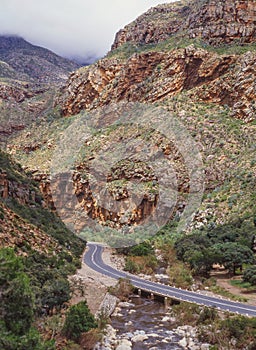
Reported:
(71, 28)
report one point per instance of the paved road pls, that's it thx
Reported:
(93, 258)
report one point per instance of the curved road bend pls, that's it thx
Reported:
(93, 258)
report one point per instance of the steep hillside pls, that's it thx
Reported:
(213, 22)
(207, 45)
(29, 78)
(196, 61)
(37, 256)
(33, 63)
(26, 223)
(156, 75)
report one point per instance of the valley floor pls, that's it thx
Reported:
(224, 283)
(94, 284)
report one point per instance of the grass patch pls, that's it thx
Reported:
(244, 285)
(223, 292)
(179, 41)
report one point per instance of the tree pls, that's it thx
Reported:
(232, 255)
(200, 261)
(17, 300)
(78, 320)
(250, 275)
(17, 306)
(55, 293)
(191, 243)
(142, 249)
(29, 341)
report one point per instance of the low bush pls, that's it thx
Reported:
(78, 320)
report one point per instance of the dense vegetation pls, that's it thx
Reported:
(17, 306)
(35, 284)
(230, 245)
(78, 320)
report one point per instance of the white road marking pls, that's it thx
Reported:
(165, 289)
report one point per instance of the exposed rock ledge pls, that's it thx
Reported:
(155, 76)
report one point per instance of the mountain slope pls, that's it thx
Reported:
(213, 22)
(164, 60)
(25, 222)
(157, 75)
(34, 63)
(29, 78)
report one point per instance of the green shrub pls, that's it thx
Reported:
(142, 249)
(17, 306)
(55, 293)
(207, 315)
(249, 275)
(17, 300)
(131, 266)
(29, 341)
(78, 320)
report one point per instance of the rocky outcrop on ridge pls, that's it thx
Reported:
(157, 76)
(214, 22)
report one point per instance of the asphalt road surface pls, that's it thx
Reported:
(93, 258)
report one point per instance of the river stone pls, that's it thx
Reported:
(117, 311)
(110, 332)
(139, 338)
(128, 335)
(131, 311)
(107, 306)
(125, 304)
(153, 335)
(183, 342)
(123, 347)
(205, 347)
(165, 319)
(124, 344)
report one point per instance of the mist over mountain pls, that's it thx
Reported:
(150, 149)
(71, 28)
(32, 62)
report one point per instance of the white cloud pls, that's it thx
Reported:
(70, 27)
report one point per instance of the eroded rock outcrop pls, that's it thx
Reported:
(214, 22)
(14, 189)
(156, 76)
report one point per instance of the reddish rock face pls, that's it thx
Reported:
(22, 193)
(155, 76)
(212, 21)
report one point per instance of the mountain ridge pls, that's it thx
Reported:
(26, 59)
(214, 22)
(208, 86)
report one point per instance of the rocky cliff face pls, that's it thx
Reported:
(196, 59)
(25, 222)
(14, 189)
(155, 73)
(156, 76)
(212, 21)
(29, 76)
